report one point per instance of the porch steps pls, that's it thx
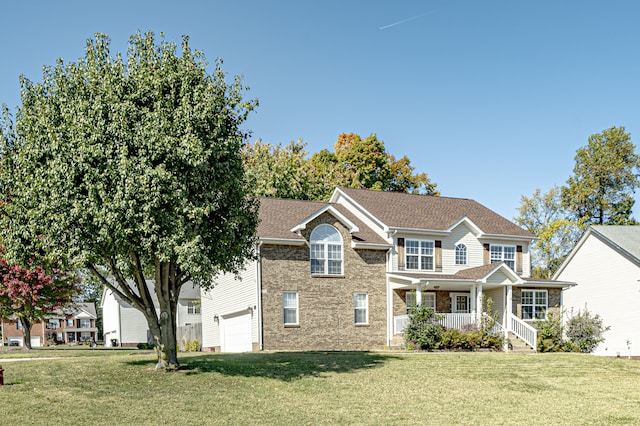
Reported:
(519, 346)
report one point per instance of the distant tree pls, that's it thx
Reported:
(544, 216)
(277, 171)
(29, 294)
(604, 180)
(288, 172)
(369, 165)
(133, 165)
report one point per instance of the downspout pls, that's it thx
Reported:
(259, 294)
(389, 268)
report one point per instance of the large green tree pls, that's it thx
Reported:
(604, 179)
(543, 215)
(132, 164)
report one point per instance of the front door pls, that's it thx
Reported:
(460, 303)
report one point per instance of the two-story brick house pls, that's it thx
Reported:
(342, 274)
(73, 325)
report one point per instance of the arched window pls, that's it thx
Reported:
(461, 254)
(326, 251)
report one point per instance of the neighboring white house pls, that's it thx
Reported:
(124, 325)
(606, 266)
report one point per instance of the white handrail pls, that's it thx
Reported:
(524, 331)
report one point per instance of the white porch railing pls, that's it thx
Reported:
(448, 321)
(456, 320)
(515, 325)
(497, 327)
(524, 331)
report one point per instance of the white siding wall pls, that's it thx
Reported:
(110, 318)
(608, 284)
(229, 295)
(461, 235)
(133, 325)
(497, 295)
(183, 315)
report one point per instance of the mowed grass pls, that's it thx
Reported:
(120, 387)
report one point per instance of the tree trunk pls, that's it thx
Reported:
(26, 332)
(167, 289)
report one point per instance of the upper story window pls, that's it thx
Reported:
(461, 254)
(326, 251)
(85, 323)
(507, 254)
(419, 255)
(193, 307)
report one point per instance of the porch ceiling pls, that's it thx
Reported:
(436, 283)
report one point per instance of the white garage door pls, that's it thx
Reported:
(35, 341)
(236, 333)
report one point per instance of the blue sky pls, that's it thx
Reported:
(491, 99)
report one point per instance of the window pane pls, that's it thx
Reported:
(461, 254)
(541, 298)
(527, 297)
(427, 248)
(429, 300)
(527, 312)
(412, 262)
(317, 266)
(496, 253)
(290, 307)
(335, 251)
(335, 267)
(326, 233)
(412, 247)
(427, 262)
(317, 251)
(360, 308)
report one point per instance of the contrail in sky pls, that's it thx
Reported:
(403, 21)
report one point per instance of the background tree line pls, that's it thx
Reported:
(599, 192)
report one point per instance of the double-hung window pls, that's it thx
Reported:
(193, 307)
(507, 254)
(290, 307)
(326, 251)
(361, 308)
(534, 304)
(419, 255)
(428, 300)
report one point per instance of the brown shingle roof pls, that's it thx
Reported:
(473, 274)
(401, 210)
(278, 216)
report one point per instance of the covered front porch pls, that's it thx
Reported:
(462, 300)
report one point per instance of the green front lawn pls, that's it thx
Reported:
(87, 387)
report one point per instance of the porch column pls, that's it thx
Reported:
(508, 310)
(472, 300)
(418, 295)
(479, 302)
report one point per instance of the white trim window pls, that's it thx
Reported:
(428, 300)
(326, 251)
(290, 307)
(193, 308)
(420, 255)
(506, 254)
(361, 308)
(534, 304)
(461, 254)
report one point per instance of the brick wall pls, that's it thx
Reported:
(326, 305)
